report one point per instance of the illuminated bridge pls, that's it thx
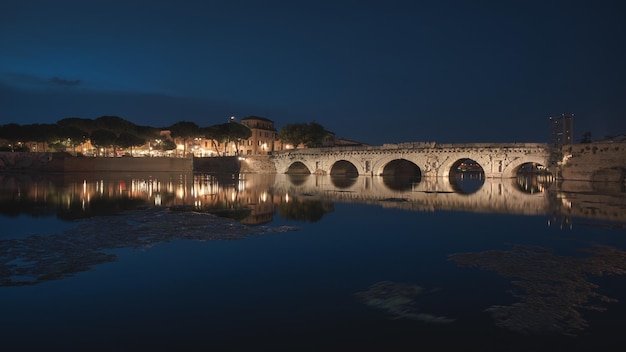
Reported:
(423, 159)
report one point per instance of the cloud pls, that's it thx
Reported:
(31, 81)
(65, 82)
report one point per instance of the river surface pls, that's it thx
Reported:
(202, 262)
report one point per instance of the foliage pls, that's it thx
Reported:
(185, 130)
(103, 138)
(586, 137)
(40, 133)
(315, 134)
(227, 132)
(215, 134)
(13, 133)
(310, 134)
(167, 145)
(147, 132)
(292, 134)
(86, 125)
(129, 140)
(115, 124)
(72, 136)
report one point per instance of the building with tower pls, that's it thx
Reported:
(561, 129)
(263, 136)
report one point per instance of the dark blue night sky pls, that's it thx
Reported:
(372, 71)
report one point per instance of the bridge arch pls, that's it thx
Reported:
(401, 167)
(344, 168)
(386, 165)
(298, 168)
(401, 174)
(466, 176)
(511, 170)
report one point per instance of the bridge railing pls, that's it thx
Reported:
(413, 145)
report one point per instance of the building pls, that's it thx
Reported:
(261, 142)
(561, 129)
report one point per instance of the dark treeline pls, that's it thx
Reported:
(117, 133)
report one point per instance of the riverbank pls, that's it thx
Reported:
(64, 162)
(22, 162)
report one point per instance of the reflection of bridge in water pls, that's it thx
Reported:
(430, 194)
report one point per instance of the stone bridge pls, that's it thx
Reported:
(426, 159)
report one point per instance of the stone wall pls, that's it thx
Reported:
(63, 162)
(225, 164)
(258, 164)
(35, 162)
(596, 162)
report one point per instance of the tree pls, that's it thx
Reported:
(586, 137)
(167, 145)
(129, 140)
(311, 135)
(185, 130)
(103, 139)
(235, 132)
(314, 135)
(13, 133)
(115, 124)
(216, 135)
(40, 134)
(225, 133)
(72, 136)
(293, 134)
(86, 125)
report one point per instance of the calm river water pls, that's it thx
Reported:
(134, 262)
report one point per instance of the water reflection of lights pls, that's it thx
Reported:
(212, 192)
(566, 203)
(180, 192)
(84, 196)
(561, 222)
(535, 184)
(471, 175)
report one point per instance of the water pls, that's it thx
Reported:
(131, 262)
